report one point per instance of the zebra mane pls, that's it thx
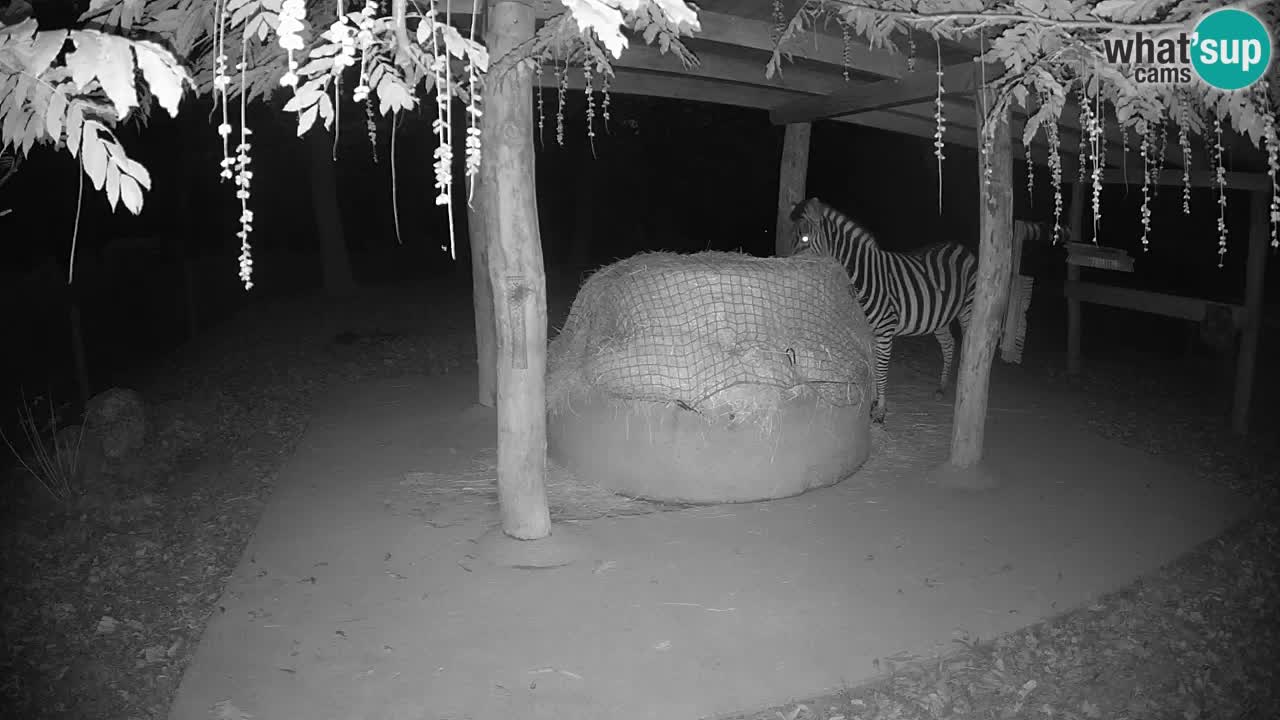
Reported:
(818, 211)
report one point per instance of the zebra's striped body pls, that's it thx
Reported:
(913, 293)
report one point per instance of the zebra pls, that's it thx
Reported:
(901, 293)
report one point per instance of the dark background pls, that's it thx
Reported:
(663, 175)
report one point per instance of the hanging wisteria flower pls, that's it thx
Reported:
(1095, 152)
(1273, 168)
(293, 15)
(537, 73)
(1184, 140)
(1145, 149)
(589, 88)
(844, 50)
(938, 144)
(364, 40)
(604, 106)
(1055, 168)
(1220, 173)
(343, 34)
(563, 78)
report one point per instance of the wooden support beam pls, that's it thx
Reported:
(980, 341)
(1154, 303)
(793, 173)
(1199, 178)
(692, 88)
(961, 123)
(815, 46)
(744, 32)
(1255, 277)
(517, 278)
(1075, 233)
(918, 87)
(714, 64)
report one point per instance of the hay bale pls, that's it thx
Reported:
(712, 377)
(713, 329)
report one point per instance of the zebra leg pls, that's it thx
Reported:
(884, 348)
(947, 342)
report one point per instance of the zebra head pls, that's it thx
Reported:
(823, 230)
(807, 225)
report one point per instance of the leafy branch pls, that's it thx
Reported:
(1105, 9)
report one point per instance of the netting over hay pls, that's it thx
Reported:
(712, 331)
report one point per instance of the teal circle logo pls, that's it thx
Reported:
(1231, 49)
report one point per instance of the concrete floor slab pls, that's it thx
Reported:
(348, 606)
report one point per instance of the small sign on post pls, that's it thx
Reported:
(1098, 256)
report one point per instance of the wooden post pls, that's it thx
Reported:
(482, 296)
(517, 276)
(1075, 232)
(1255, 276)
(793, 173)
(994, 267)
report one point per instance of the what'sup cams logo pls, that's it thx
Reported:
(1229, 49)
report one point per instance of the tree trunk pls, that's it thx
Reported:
(1255, 276)
(335, 262)
(482, 296)
(793, 173)
(994, 267)
(517, 277)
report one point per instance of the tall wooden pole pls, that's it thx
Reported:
(482, 295)
(994, 267)
(1075, 230)
(516, 275)
(1255, 276)
(793, 172)
(335, 262)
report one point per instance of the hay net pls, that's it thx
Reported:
(713, 330)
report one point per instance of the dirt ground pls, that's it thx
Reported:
(106, 599)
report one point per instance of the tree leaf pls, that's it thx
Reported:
(83, 61)
(165, 76)
(93, 153)
(113, 185)
(131, 194)
(18, 95)
(31, 132)
(307, 118)
(75, 128)
(325, 107)
(1112, 9)
(304, 98)
(38, 54)
(136, 170)
(13, 124)
(54, 114)
(115, 73)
